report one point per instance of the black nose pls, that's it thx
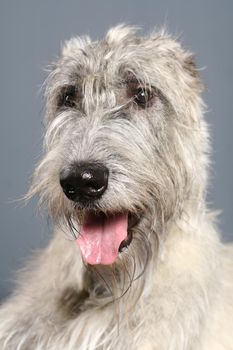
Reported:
(84, 181)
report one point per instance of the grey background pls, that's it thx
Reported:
(31, 33)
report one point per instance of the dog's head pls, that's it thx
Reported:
(125, 141)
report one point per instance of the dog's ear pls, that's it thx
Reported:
(189, 65)
(74, 44)
(176, 58)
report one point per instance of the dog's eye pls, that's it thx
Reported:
(68, 97)
(143, 96)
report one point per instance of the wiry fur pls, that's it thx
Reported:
(172, 288)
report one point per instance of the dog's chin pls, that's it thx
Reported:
(105, 236)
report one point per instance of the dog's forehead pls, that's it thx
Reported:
(103, 58)
(156, 60)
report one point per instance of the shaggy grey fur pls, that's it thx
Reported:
(165, 290)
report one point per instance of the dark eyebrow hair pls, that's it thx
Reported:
(131, 79)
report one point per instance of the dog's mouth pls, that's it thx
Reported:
(104, 236)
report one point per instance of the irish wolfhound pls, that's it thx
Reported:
(135, 262)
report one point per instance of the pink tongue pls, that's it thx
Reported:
(100, 238)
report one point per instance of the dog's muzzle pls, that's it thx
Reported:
(102, 236)
(84, 181)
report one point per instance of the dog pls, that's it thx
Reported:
(135, 261)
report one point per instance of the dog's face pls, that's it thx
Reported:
(124, 140)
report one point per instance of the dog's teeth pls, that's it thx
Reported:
(123, 246)
(123, 249)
